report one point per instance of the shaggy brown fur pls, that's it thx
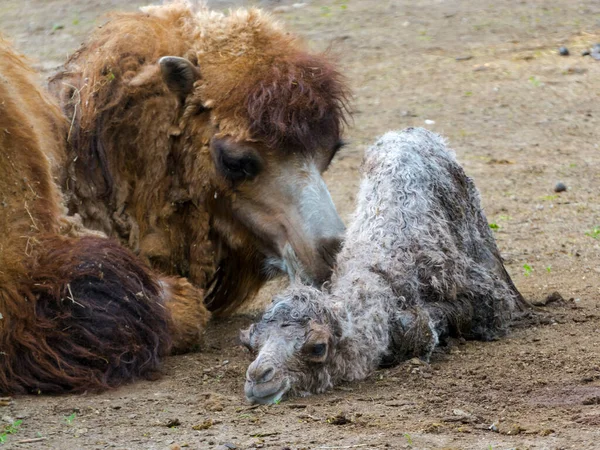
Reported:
(76, 313)
(140, 165)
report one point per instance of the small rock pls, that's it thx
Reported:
(429, 122)
(560, 187)
(171, 423)
(463, 58)
(563, 51)
(585, 53)
(227, 446)
(595, 52)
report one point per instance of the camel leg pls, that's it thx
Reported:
(189, 315)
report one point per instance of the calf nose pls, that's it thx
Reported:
(261, 374)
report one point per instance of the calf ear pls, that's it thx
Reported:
(179, 74)
(245, 337)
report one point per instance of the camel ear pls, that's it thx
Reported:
(179, 74)
(245, 337)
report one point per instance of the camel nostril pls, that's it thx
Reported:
(260, 373)
(329, 248)
(266, 376)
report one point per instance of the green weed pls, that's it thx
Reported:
(535, 81)
(10, 429)
(594, 233)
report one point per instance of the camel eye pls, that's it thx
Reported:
(235, 162)
(334, 150)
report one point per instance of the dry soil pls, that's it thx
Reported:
(484, 73)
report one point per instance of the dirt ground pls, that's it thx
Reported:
(485, 74)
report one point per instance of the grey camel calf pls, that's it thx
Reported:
(419, 264)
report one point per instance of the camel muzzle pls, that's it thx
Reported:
(264, 383)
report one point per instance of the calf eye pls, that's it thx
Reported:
(235, 162)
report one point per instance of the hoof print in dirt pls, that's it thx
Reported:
(419, 265)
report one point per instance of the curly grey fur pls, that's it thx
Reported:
(419, 264)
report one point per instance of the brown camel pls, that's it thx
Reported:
(199, 140)
(77, 311)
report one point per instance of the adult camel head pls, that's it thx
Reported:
(200, 139)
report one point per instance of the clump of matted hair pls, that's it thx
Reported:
(262, 83)
(77, 313)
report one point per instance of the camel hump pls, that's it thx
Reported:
(87, 317)
(425, 192)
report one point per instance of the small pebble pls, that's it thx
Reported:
(560, 187)
(429, 122)
(585, 53)
(563, 51)
(595, 53)
(172, 423)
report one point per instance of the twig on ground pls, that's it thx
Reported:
(30, 441)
